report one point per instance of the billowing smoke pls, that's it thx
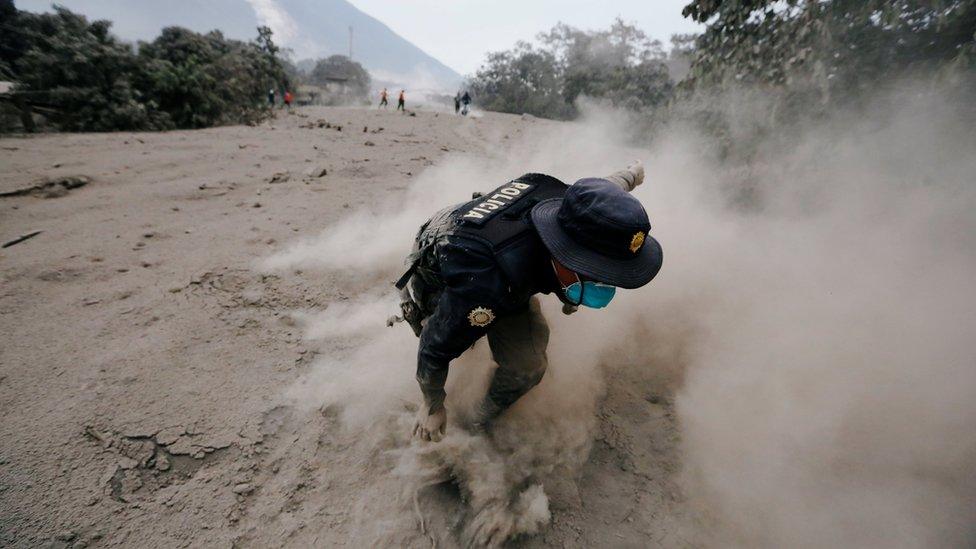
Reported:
(821, 335)
(271, 14)
(286, 32)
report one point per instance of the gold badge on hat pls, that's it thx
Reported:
(481, 317)
(637, 241)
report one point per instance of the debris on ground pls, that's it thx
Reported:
(316, 172)
(280, 177)
(21, 238)
(50, 188)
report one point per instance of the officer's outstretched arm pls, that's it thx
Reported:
(628, 178)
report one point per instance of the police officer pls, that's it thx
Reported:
(476, 267)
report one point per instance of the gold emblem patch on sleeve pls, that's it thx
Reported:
(637, 241)
(481, 317)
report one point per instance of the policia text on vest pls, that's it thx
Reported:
(501, 199)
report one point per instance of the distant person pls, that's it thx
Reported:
(457, 102)
(402, 102)
(465, 100)
(271, 97)
(383, 102)
(288, 99)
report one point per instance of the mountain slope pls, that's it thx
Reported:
(311, 28)
(386, 54)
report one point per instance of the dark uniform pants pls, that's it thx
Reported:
(518, 344)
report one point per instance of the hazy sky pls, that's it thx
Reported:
(440, 26)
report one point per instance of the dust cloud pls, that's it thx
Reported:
(826, 379)
(831, 393)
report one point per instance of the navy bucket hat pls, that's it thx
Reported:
(600, 231)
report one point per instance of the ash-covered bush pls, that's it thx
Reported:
(71, 74)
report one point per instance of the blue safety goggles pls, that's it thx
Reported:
(594, 295)
(588, 293)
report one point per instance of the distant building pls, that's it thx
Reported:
(329, 91)
(337, 84)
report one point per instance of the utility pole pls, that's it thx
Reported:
(350, 42)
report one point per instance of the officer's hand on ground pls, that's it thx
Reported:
(430, 426)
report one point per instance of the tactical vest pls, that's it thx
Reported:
(499, 219)
(501, 215)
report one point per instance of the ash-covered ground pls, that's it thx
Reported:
(193, 349)
(148, 358)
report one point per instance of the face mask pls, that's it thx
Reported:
(576, 291)
(590, 294)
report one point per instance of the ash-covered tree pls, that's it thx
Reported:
(73, 71)
(680, 56)
(293, 75)
(521, 80)
(80, 77)
(789, 63)
(342, 73)
(13, 44)
(829, 50)
(620, 65)
(201, 80)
